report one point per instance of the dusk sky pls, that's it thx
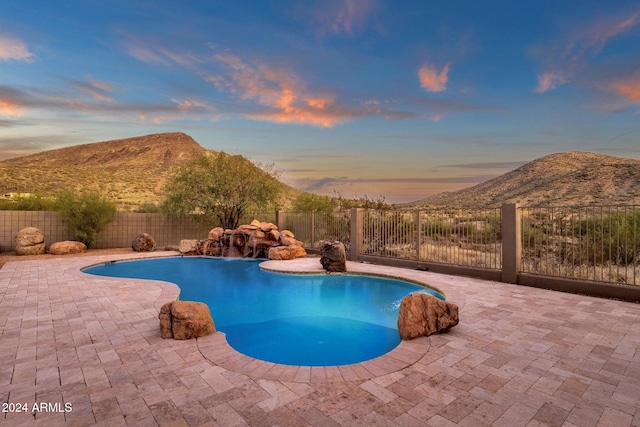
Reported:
(401, 98)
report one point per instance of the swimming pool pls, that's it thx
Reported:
(307, 320)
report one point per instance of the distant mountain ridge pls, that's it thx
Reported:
(130, 171)
(560, 179)
(157, 150)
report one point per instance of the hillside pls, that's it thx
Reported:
(574, 178)
(129, 171)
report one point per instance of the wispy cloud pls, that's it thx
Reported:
(14, 49)
(283, 95)
(15, 102)
(486, 165)
(152, 52)
(322, 183)
(569, 56)
(96, 89)
(340, 17)
(11, 147)
(431, 80)
(11, 102)
(549, 81)
(591, 40)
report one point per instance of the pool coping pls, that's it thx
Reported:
(216, 349)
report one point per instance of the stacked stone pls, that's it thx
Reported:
(255, 240)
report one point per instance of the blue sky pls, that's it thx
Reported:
(404, 99)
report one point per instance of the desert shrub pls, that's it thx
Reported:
(437, 228)
(611, 238)
(492, 232)
(86, 213)
(149, 207)
(383, 228)
(31, 202)
(307, 202)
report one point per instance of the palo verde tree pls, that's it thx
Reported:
(222, 186)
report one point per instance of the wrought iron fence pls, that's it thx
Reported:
(450, 236)
(593, 243)
(598, 243)
(389, 234)
(466, 237)
(313, 227)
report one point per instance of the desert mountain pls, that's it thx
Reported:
(561, 179)
(129, 171)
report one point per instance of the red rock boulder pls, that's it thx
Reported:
(422, 314)
(183, 320)
(67, 247)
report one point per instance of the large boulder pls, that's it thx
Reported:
(422, 314)
(282, 252)
(183, 320)
(143, 242)
(333, 257)
(67, 247)
(188, 246)
(216, 233)
(29, 241)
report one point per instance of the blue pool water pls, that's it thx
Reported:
(307, 320)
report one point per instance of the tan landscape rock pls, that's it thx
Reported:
(143, 242)
(282, 252)
(67, 247)
(183, 320)
(188, 246)
(422, 314)
(215, 233)
(29, 241)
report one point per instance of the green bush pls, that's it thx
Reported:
(221, 188)
(149, 207)
(27, 202)
(87, 214)
(612, 238)
(307, 202)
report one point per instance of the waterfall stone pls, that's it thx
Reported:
(255, 240)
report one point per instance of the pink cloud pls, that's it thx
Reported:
(629, 90)
(549, 81)
(431, 80)
(98, 90)
(571, 55)
(10, 108)
(591, 40)
(281, 92)
(14, 49)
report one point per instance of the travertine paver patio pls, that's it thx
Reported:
(520, 356)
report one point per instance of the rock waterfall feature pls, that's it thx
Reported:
(255, 240)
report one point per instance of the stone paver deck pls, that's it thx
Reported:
(519, 357)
